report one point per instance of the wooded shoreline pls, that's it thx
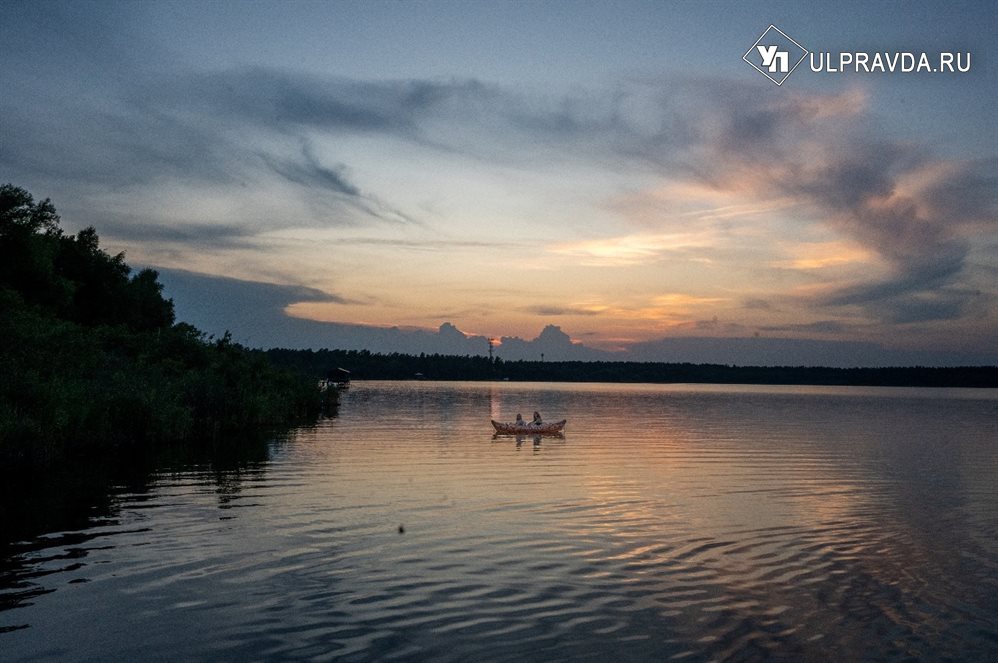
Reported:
(395, 366)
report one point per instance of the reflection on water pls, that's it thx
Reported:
(669, 522)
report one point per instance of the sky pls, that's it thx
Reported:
(582, 179)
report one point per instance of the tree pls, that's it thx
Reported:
(148, 310)
(19, 210)
(99, 280)
(71, 276)
(29, 234)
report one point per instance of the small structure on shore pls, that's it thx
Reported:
(338, 377)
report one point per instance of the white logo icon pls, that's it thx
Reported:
(775, 55)
(777, 61)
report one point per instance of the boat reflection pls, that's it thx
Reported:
(536, 438)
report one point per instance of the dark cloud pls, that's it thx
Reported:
(309, 172)
(848, 180)
(237, 294)
(821, 327)
(315, 179)
(204, 236)
(927, 308)
(555, 311)
(918, 274)
(291, 101)
(968, 191)
(552, 344)
(268, 98)
(253, 311)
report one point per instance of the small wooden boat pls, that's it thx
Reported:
(528, 428)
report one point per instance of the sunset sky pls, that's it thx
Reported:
(612, 168)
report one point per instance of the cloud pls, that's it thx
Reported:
(556, 311)
(256, 312)
(916, 212)
(235, 294)
(310, 173)
(904, 221)
(924, 241)
(313, 178)
(227, 236)
(834, 327)
(552, 344)
(237, 132)
(291, 101)
(269, 147)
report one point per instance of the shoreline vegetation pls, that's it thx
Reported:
(94, 364)
(366, 365)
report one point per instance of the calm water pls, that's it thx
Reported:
(670, 523)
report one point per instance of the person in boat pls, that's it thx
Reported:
(519, 420)
(537, 419)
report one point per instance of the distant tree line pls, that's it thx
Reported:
(394, 366)
(91, 360)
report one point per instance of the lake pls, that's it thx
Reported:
(670, 522)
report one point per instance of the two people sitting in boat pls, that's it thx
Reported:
(536, 422)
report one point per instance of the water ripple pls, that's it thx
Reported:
(730, 525)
